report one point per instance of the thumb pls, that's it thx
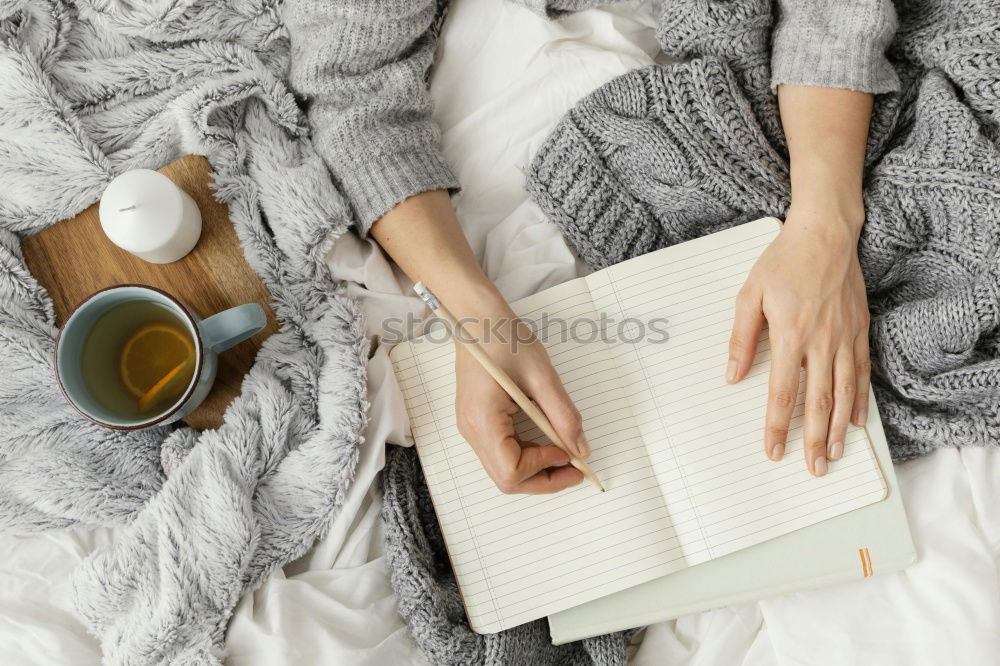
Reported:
(553, 400)
(747, 323)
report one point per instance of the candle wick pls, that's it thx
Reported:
(122, 210)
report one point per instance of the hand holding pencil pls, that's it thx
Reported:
(467, 344)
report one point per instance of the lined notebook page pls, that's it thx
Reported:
(518, 557)
(705, 437)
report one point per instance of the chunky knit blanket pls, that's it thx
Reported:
(87, 91)
(668, 153)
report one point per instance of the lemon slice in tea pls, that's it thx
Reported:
(151, 353)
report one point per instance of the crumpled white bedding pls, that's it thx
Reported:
(504, 78)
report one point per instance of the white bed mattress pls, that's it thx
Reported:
(503, 79)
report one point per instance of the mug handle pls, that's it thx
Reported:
(231, 327)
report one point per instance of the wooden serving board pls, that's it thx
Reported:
(74, 258)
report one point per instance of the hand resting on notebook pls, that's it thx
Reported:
(808, 284)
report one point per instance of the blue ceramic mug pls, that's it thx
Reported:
(210, 336)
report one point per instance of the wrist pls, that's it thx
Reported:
(485, 316)
(831, 208)
(827, 219)
(822, 228)
(471, 295)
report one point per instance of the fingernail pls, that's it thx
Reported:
(731, 371)
(860, 417)
(582, 446)
(819, 466)
(777, 452)
(836, 451)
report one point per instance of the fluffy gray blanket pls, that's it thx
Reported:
(668, 153)
(87, 91)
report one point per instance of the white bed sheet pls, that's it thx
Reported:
(504, 78)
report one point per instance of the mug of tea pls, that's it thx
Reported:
(133, 356)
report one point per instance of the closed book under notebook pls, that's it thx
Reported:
(641, 348)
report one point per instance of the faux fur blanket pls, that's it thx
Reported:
(87, 91)
(668, 153)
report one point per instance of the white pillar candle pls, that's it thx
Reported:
(145, 213)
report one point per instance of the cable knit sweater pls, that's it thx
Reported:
(362, 67)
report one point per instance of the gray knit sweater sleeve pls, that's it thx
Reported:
(362, 67)
(835, 44)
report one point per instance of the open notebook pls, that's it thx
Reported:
(678, 450)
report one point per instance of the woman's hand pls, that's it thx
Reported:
(424, 237)
(485, 412)
(808, 283)
(808, 287)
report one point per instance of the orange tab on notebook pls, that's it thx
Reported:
(866, 561)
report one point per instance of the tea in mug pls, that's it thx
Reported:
(138, 358)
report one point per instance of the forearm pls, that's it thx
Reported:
(424, 238)
(827, 132)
